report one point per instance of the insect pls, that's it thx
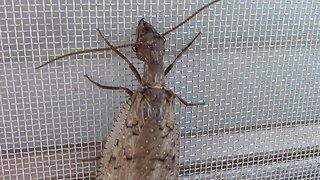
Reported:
(143, 143)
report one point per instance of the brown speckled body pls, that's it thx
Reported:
(146, 148)
(147, 145)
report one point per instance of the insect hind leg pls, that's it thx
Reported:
(186, 103)
(127, 90)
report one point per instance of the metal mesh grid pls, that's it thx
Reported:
(256, 66)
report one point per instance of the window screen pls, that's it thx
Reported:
(256, 66)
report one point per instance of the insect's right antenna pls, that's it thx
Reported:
(83, 52)
(180, 54)
(195, 13)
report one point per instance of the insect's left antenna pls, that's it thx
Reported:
(84, 52)
(192, 15)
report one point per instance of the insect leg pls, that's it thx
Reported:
(186, 103)
(128, 91)
(92, 159)
(134, 70)
(180, 54)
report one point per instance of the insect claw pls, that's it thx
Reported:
(141, 19)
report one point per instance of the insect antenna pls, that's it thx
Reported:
(84, 52)
(180, 54)
(192, 15)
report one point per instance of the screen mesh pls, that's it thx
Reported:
(256, 66)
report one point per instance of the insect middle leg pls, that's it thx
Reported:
(128, 91)
(174, 62)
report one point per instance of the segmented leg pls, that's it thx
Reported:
(128, 91)
(131, 66)
(188, 104)
(180, 54)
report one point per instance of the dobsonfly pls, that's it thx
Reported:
(143, 142)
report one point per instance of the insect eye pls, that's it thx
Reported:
(134, 48)
(152, 45)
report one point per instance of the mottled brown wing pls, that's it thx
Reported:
(114, 135)
(147, 147)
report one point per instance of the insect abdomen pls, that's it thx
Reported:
(147, 148)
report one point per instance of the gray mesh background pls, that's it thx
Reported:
(256, 65)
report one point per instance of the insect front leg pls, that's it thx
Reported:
(127, 90)
(131, 66)
(180, 54)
